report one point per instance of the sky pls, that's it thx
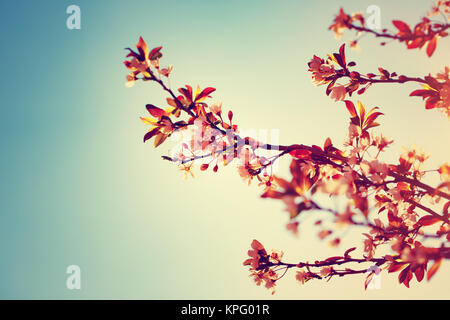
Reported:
(79, 187)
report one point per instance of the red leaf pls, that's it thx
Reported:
(362, 90)
(405, 276)
(151, 133)
(155, 111)
(402, 275)
(396, 267)
(342, 53)
(205, 93)
(408, 279)
(428, 220)
(155, 53)
(339, 60)
(159, 139)
(431, 46)
(401, 26)
(333, 259)
(142, 47)
(419, 272)
(204, 166)
(370, 119)
(351, 108)
(187, 92)
(419, 93)
(433, 269)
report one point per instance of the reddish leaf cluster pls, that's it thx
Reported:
(436, 90)
(424, 34)
(396, 189)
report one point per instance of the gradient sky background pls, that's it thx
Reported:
(78, 186)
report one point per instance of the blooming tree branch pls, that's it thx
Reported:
(394, 203)
(436, 90)
(425, 33)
